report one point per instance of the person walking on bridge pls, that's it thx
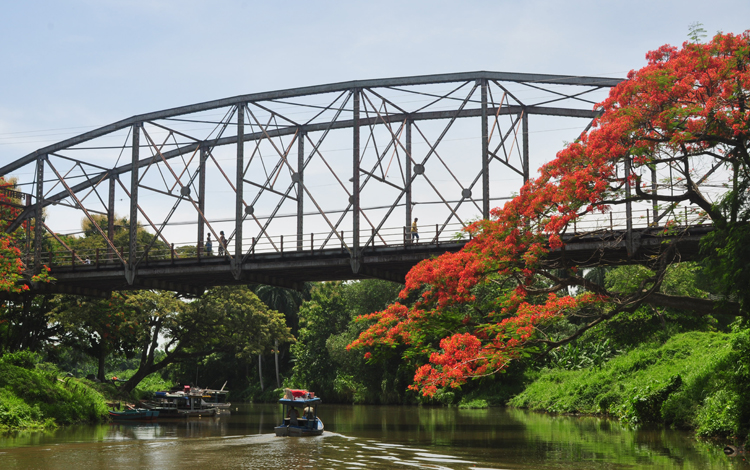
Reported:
(414, 231)
(222, 243)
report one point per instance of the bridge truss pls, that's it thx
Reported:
(297, 176)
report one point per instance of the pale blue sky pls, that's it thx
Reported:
(76, 64)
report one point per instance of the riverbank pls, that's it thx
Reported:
(37, 396)
(695, 380)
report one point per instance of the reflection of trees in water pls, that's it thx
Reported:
(81, 433)
(592, 438)
(386, 437)
(177, 427)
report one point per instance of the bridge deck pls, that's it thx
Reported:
(292, 269)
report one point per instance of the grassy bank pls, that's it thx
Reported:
(37, 396)
(695, 380)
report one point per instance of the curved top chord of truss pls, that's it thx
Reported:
(528, 78)
(341, 169)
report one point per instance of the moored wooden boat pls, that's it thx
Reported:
(189, 402)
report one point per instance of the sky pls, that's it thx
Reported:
(71, 66)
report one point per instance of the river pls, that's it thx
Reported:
(359, 437)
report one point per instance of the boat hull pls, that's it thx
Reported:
(134, 415)
(299, 431)
(197, 413)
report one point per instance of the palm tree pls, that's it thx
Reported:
(286, 301)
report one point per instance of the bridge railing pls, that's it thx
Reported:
(279, 244)
(679, 216)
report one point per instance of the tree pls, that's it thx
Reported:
(686, 107)
(98, 327)
(286, 301)
(14, 275)
(224, 319)
(326, 326)
(92, 240)
(24, 324)
(325, 314)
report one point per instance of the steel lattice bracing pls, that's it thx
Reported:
(309, 183)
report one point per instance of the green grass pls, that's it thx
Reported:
(475, 404)
(37, 397)
(695, 380)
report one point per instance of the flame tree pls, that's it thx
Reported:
(13, 276)
(478, 309)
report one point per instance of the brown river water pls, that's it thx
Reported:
(360, 437)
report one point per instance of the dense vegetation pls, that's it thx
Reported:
(694, 380)
(33, 396)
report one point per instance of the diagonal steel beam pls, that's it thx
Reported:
(88, 216)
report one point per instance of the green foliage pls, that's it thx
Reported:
(36, 397)
(626, 279)
(324, 315)
(234, 318)
(22, 359)
(582, 355)
(696, 32)
(696, 379)
(322, 362)
(226, 320)
(648, 323)
(720, 414)
(24, 324)
(17, 414)
(346, 386)
(646, 401)
(477, 403)
(726, 265)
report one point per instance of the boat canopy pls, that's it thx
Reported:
(300, 401)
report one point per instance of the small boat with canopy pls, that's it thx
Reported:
(300, 409)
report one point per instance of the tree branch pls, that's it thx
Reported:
(699, 306)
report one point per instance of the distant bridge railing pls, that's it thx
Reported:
(315, 242)
(597, 223)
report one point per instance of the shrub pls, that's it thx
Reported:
(696, 379)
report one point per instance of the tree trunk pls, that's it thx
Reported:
(699, 306)
(260, 371)
(276, 358)
(135, 379)
(102, 357)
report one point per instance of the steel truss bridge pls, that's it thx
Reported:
(312, 183)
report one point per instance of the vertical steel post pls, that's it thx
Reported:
(300, 188)
(237, 268)
(132, 256)
(202, 192)
(525, 138)
(485, 155)
(27, 254)
(355, 184)
(38, 222)
(409, 164)
(654, 203)
(111, 216)
(628, 209)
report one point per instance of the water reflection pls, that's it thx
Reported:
(365, 437)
